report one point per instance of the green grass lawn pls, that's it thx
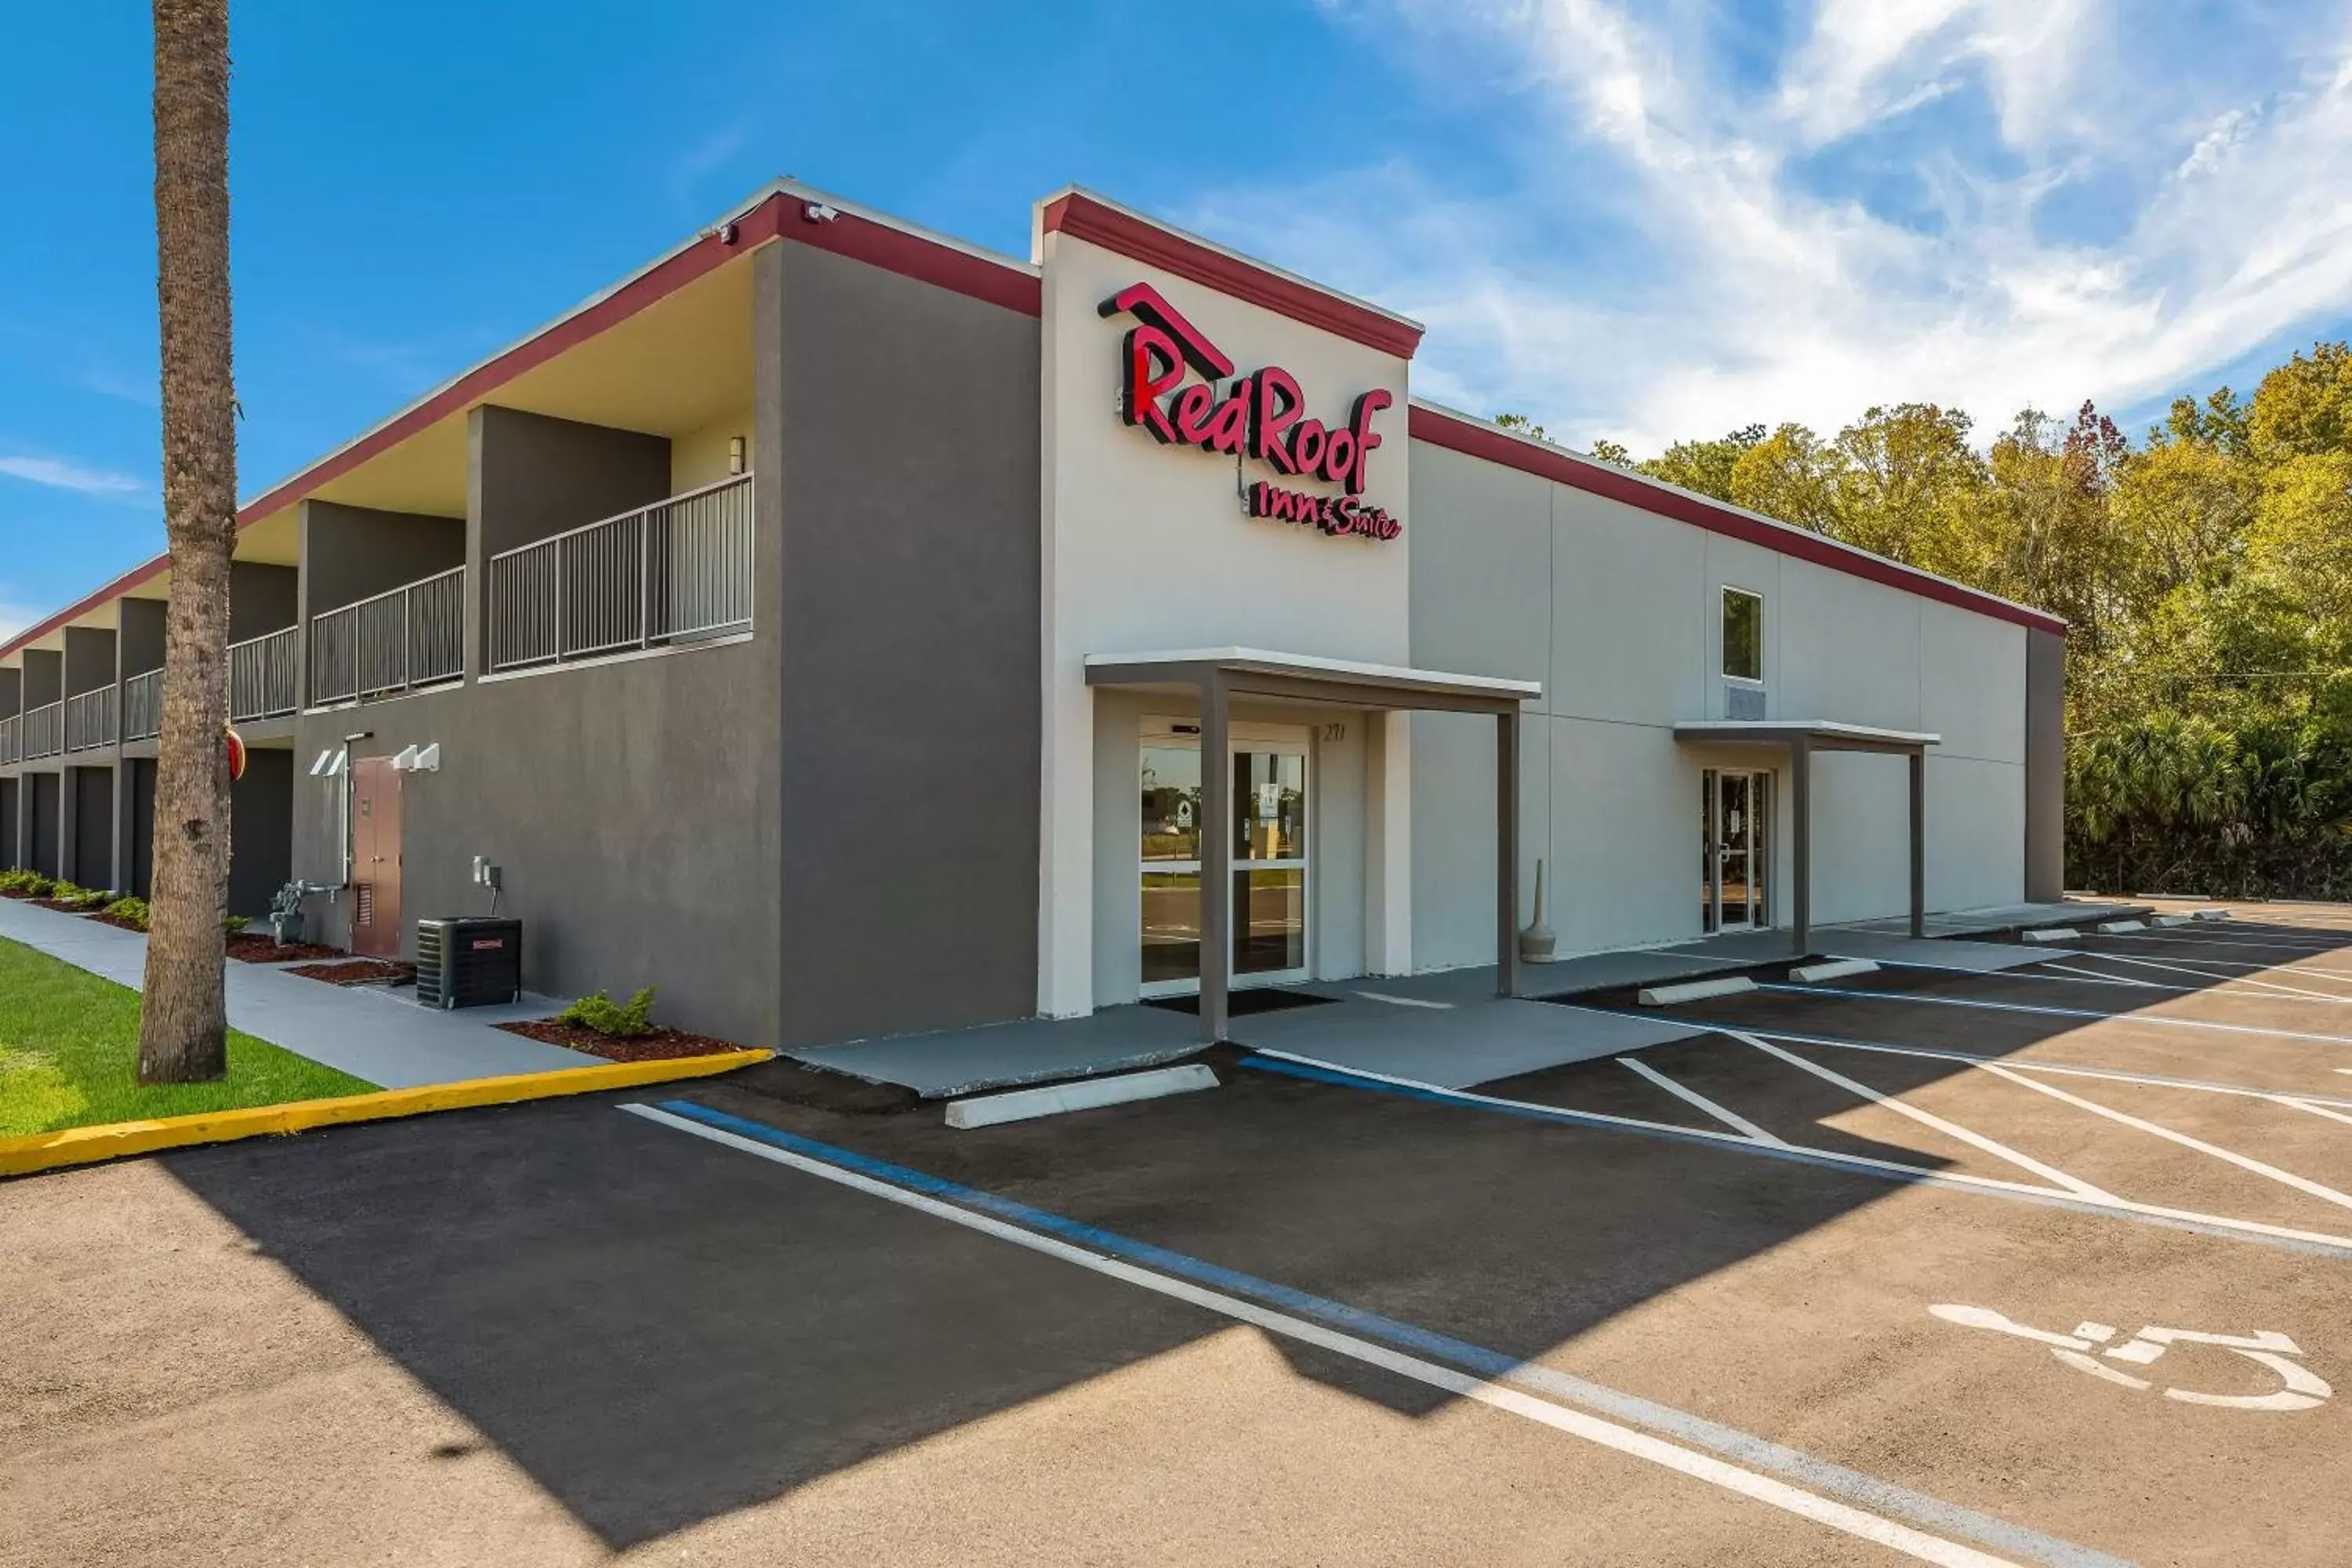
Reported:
(69, 1045)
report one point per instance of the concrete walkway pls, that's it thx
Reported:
(369, 1033)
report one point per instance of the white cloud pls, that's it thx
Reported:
(59, 474)
(2085, 213)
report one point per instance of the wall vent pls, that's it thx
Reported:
(1743, 701)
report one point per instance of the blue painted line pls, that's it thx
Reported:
(1728, 1442)
(1435, 1096)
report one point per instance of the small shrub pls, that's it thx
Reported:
(87, 900)
(622, 1020)
(234, 925)
(129, 912)
(26, 883)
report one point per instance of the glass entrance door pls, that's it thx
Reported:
(1269, 853)
(1736, 858)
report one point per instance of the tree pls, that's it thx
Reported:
(184, 1014)
(1704, 466)
(1792, 475)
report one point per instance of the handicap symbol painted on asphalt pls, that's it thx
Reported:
(2299, 1388)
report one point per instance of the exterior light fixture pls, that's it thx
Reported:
(735, 454)
(324, 767)
(405, 761)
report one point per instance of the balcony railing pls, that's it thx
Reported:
(678, 571)
(262, 676)
(394, 643)
(89, 720)
(12, 740)
(44, 731)
(142, 706)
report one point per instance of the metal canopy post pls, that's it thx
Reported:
(1506, 853)
(1801, 807)
(1216, 856)
(1918, 844)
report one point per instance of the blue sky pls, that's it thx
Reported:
(1630, 220)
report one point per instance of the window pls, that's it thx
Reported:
(1743, 635)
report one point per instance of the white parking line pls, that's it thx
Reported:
(2158, 1018)
(2307, 1105)
(1763, 1488)
(2285, 1178)
(2243, 963)
(1738, 1124)
(2051, 1174)
(2338, 999)
(2183, 935)
(1995, 1186)
(2063, 1069)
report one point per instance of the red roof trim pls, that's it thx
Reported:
(1474, 439)
(1083, 218)
(781, 217)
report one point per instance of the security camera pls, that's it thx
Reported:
(818, 212)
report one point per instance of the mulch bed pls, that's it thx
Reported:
(355, 972)
(662, 1045)
(119, 923)
(63, 906)
(249, 948)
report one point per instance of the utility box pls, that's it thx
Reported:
(469, 961)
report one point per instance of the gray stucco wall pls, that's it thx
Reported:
(12, 692)
(93, 827)
(352, 552)
(261, 599)
(529, 476)
(142, 646)
(630, 806)
(907, 421)
(44, 677)
(90, 659)
(44, 799)
(261, 830)
(2045, 764)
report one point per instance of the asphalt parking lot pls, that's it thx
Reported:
(2042, 1267)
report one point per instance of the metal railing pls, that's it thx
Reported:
(262, 676)
(678, 571)
(12, 740)
(413, 637)
(44, 731)
(89, 720)
(142, 706)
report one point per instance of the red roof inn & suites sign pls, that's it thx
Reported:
(1260, 414)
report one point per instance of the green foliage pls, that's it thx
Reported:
(26, 883)
(234, 925)
(2206, 578)
(622, 1020)
(79, 897)
(131, 911)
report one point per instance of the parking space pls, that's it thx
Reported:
(1861, 1276)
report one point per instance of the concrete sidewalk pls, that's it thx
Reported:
(372, 1033)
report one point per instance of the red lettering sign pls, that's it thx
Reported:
(1259, 415)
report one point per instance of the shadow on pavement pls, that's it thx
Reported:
(661, 1331)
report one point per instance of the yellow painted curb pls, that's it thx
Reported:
(82, 1145)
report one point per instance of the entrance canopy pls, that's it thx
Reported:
(1217, 675)
(1339, 682)
(1801, 737)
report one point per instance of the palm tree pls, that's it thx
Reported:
(183, 1018)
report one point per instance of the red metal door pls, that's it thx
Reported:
(375, 858)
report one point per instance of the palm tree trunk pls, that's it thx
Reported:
(183, 1017)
